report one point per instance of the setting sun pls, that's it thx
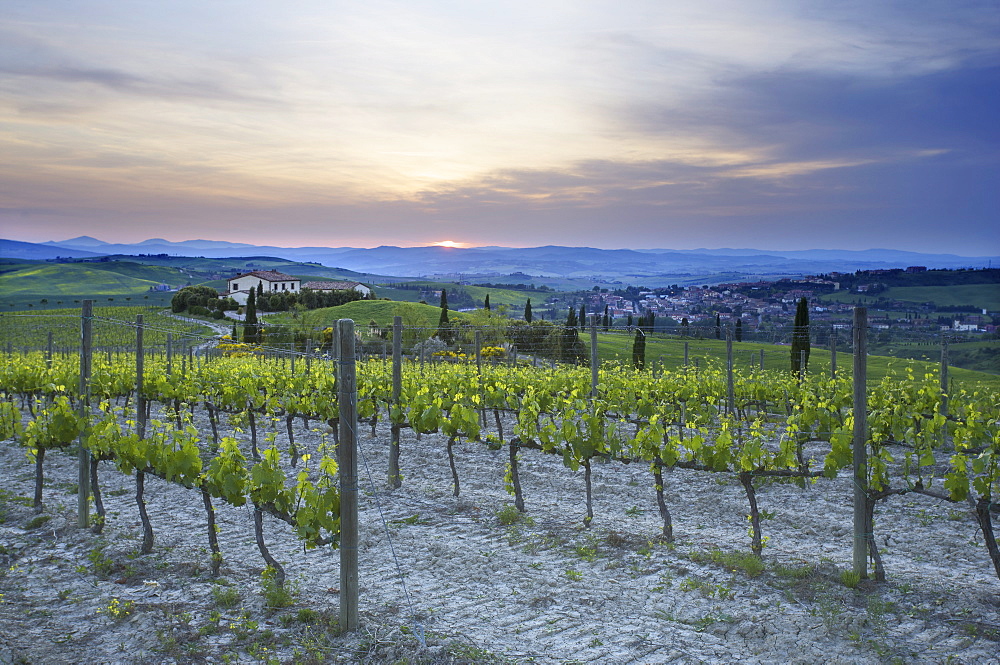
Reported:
(449, 243)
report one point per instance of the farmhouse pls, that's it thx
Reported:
(339, 286)
(270, 280)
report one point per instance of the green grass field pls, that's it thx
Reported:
(510, 298)
(982, 296)
(364, 311)
(61, 280)
(982, 356)
(40, 285)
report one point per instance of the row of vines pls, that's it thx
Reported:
(777, 428)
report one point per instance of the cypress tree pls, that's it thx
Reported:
(571, 318)
(800, 337)
(606, 321)
(629, 324)
(718, 326)
(444, 326)
(527, 311)
(639, 349)
(571, 349)
(739, 330)
(583, 315)
(260, 288)
(234, 333)
(684, 326)
(486, 304)
(250, 320)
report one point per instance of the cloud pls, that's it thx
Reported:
(453, 114)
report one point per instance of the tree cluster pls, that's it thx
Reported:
(200, 296)
(282, 301)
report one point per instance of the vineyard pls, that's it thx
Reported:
(606, 463)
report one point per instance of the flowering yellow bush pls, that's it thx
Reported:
(451, 354)
(232, 349)
(485, 352)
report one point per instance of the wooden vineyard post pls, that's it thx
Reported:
(397, 389)
(595, 364)
(944, 375)
(730, 392)
(86, 351)
(140, 402)
(170, 354)
(760, 365)
(833, 353)
(479, 352)
(347, 398)
(860, 449)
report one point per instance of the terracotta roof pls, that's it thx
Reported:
(269, 275)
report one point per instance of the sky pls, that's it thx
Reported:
(644, 124)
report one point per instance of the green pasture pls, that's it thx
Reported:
(982, 356)
(511, 298)
(982, 296)
(362, 312)
(42, 285)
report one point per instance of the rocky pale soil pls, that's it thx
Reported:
(544, 589)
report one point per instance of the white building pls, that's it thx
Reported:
(271, 281)
(339, 286)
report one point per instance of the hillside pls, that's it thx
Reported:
(27, 283)
(980, 296)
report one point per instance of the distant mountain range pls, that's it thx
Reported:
(627, 265)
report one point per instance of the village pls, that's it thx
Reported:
(757, 304)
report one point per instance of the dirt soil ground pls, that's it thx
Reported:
(543, 589)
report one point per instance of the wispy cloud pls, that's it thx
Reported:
(387, 108)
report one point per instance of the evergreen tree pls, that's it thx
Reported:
(739, 330)
(606, 320)
(233, 334)
(800, 337)
(639, 349)
(583, 316)
(250, 320)
(571, 318)
(718, 326)
(444, 326)
(684, 326)
(571, 349)
(527, 311)
(629, 324)
(486, 304)
(260, 289)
